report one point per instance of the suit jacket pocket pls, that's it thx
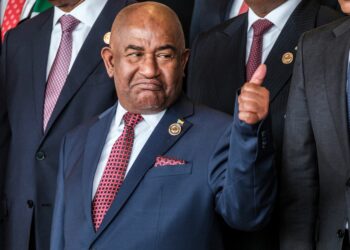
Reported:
(170, 170)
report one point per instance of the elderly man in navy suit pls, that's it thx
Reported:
(144, 174)
(52, 79)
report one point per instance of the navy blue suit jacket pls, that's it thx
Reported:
(169, 207)
(32, 163)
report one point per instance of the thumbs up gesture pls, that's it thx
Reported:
(253, 102)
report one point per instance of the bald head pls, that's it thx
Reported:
(146, 57)
(148, 14)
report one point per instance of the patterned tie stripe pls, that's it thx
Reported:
(260, 27)
(59, 70)
(11, 16)
(114, 173)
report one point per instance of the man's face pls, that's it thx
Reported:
(147, 64)
(345, 6)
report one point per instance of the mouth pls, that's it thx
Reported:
(152, 85)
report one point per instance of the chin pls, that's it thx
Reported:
(345, 7)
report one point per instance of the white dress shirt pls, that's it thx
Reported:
(87, 13)
(279, 18)
(143, 131)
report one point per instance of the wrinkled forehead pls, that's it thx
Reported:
(148, 34)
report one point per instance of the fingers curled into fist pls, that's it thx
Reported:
(253, 101)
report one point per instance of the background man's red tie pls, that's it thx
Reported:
(260, 27)
(244, 8)
(59, 69)
(12, 16)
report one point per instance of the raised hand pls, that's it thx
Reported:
(253, 101)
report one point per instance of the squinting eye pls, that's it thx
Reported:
(165, 56)
(135, 54)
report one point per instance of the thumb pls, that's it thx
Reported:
(259, 75)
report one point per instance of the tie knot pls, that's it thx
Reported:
(68, 23)
(261, 26)
(131, 120)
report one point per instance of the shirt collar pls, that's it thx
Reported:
(87, 12)
(152, 120)
(278, 16)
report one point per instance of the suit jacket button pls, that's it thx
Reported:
(340, 233)
(30, 203)
(40, 155)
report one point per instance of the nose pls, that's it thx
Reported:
(149, 67)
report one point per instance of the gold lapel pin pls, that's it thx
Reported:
(175, 128)
(287, 58)
(107, 38)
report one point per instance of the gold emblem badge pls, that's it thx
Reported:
(175, 128)
(107, 38)
(287, 58)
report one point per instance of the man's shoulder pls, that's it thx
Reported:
(227, 28)
(325, 32)
(210, 117)
(30, 26)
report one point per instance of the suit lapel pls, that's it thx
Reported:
(158, 144)
(41, 45)
(87, 60)
(335, 79)
(237, 51)
(302, 19)
(93, 148)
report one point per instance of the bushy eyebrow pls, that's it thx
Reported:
(134, 47)
(139, 48)
(167, 46)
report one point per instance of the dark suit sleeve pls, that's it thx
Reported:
(57, 228)
(299, 181)
(242, 175)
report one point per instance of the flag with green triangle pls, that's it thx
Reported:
(40, 6)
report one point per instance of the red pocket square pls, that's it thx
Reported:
(168, 161)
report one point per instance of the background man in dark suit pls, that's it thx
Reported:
(52, 79)
(209, 13)
(221, 61)
(315, 182)
(174, 196)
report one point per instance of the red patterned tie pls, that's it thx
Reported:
(244, 8)
(12, 16)
(59, 70)
(114, 173)
(255, 55)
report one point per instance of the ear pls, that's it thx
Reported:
(184, 58)
(107, 56)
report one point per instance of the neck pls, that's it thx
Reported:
(262, 10)
(69, 7)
